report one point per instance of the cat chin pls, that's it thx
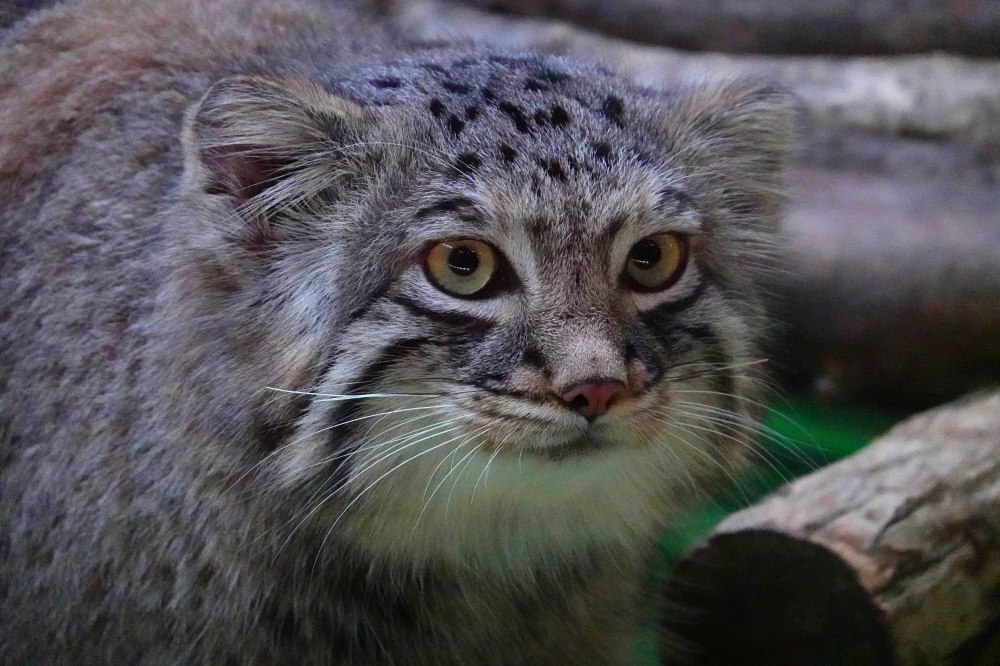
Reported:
(502, 499)
(503, 511)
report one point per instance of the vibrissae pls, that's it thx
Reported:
(320, 346)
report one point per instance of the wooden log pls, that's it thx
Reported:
(893, 286)
(891, 556)
(971, 27)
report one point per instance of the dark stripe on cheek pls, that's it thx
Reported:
(501, 391)
(641, 347)
(649, 317)
(341, 436)
(712, 353)
(468, 323)
(699, 332)
(722, 380)
(272, 434)
(532, 357)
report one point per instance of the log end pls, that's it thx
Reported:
(763, 597)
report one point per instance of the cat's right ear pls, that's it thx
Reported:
(264, 141)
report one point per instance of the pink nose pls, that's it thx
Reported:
(591, 399)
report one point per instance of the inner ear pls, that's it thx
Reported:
(250, 134)
(242, 172)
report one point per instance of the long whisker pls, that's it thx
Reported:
(427, 503)
(759, 429)
(704, 454)
(374, 483)
(404, 444)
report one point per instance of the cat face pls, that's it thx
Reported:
(509, 303)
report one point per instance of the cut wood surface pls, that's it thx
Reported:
(783, 26)
(890, 556)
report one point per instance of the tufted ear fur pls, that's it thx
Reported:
(736, 133)
(262, 142)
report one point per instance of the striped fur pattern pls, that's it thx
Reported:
(432, 420)
(325, 455)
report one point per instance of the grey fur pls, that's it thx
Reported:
(184, 323)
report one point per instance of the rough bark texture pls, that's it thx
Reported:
(891, 556)
(783, 26)
(893, 284)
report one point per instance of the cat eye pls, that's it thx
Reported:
(656, 262)
(462, 267)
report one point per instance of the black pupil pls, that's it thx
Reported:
(463, 261)
(645, 254)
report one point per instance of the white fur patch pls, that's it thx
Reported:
(430, 484)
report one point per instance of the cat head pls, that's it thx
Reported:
(483, 302)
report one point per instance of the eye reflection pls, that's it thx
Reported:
(656, 262)
(461, 267)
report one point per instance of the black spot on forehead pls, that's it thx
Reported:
(534, 85)
(602, 151)
(538, 227)
(467, 163)
(515, 113)
(493, 99)
(457, 88)
(455, 124)
(449, 205)
(551, 75)
(675, 197)
(613, 109)
(507, 153)
(559, 116)
(554, 169)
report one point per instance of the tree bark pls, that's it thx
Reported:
(844, 27)
(889, 557)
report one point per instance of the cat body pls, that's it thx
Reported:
(245, 414)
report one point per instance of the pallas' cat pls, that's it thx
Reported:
(321, 347)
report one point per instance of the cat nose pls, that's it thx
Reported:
(593, 398)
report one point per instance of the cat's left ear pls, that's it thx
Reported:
(267, 138)
(737, 134)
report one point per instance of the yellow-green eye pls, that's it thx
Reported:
(656, 262)
(462, 267)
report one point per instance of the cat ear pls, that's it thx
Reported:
(737, 133)
(256, 138)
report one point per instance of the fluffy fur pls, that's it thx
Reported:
(242, 423)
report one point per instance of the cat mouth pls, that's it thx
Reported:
(553, 434)
(584, 445)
